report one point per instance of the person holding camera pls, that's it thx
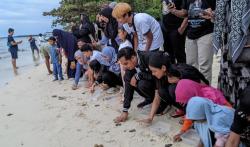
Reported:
(173, 28)
(199, 52)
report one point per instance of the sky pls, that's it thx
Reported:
(25, 16)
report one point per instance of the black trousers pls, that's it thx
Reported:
(174, 44)
(167, 95)
(111, 79)
(145, 88)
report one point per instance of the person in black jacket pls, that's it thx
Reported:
(137, 77)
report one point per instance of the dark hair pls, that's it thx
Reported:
(10, 30)
(86, 47)
(52, 38)
(158, 59)
(40, 34)
(82, 40)
(128, 36)
(126, 52)
(95, 66)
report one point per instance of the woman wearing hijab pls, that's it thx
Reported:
(186, 89)
(110, 27)
(86, 30)
(211, 121)
(68, 42)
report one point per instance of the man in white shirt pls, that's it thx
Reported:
(146, 30)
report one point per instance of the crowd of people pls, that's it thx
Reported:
(167, 62)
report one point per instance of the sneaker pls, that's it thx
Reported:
(61, 79)
(178, 113)
(55, 79)
(142, 104)
(74, 87)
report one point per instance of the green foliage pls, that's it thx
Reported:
(69, 10)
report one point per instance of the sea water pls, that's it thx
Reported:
(25, 62)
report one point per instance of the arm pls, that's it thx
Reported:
(15, 43)
(135, 39)
(179, 13)
(143, 76)
(154, 108)
(149, 37)
(183, 26)
(233, 140)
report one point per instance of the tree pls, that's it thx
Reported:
(69, 10)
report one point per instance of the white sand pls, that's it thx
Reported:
(50, 114)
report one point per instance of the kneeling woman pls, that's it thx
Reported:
(103, 75)
(211, 121)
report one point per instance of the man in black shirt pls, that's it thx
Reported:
(137, 78)
(240, 129)
(174, 31)
(13, 48)
(199, 51)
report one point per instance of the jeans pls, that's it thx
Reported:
(79, 68)
(57, 70)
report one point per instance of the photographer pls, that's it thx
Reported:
(199, 51)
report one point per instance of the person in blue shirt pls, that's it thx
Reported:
(55, 59)
(13, 48)
(33, 45)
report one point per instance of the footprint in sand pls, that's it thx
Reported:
(61, 98)
(9, 114)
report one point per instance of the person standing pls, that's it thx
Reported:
(55, 55)
(13, 48)
(68, 42)
(145, 28)
(199, 51)
(33, 45)
(174, 34)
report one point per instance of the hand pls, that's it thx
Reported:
(177, 137)
(181, 30)
(207, 14)
(19, 42)
(122, 118)
(146, 121)
(133, 81)
(92, 88)
(172, 9)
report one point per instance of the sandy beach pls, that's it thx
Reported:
(36, 112)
